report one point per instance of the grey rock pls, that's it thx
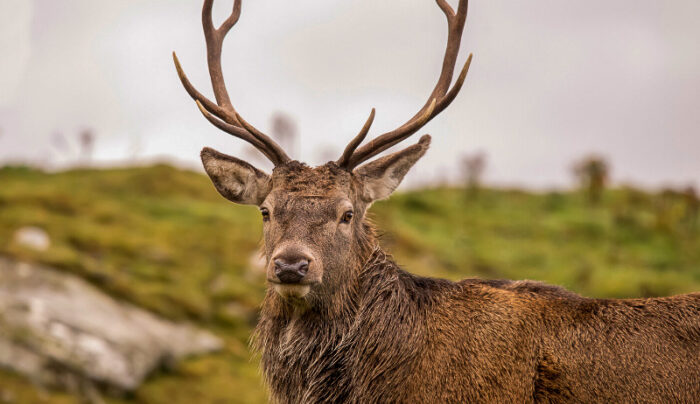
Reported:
(54, 325)
(32, 237)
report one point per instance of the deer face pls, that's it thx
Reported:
(313, 219)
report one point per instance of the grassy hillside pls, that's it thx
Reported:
(164, 239)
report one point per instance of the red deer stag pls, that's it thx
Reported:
(341, 322)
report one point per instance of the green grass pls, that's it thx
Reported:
(555, 238)
(163, 239)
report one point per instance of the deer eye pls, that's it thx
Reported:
(265, 214)
(347, 217)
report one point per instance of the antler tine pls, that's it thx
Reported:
(232, 19)
(439, 99)
(235, 131)
(350, 149)
(222, 113)
(199, 97)
(272, 146)
(446, 8)
(383, 142)
(215, 38)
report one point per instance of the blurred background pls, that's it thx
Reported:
(569, 157)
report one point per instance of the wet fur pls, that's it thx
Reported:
(405, 338)
(373, 333)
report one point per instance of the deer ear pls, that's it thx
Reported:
(235, 179)
(381, 177)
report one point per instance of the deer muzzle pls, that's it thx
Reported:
(293, 271)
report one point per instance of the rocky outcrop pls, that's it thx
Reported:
(55, 327)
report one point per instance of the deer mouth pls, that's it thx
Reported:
(296, 290)
(303, 283)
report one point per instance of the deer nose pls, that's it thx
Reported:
(291, 272)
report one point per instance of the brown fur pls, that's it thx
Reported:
(366, 331)
(405, 338)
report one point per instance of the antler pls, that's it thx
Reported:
(222, 113)
(439, 99)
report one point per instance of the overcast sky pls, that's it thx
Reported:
(551, 81)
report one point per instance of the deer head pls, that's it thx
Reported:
(316, 235)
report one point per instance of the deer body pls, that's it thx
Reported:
(412, 339)
(342, 323)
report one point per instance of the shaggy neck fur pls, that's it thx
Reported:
(307, 350)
